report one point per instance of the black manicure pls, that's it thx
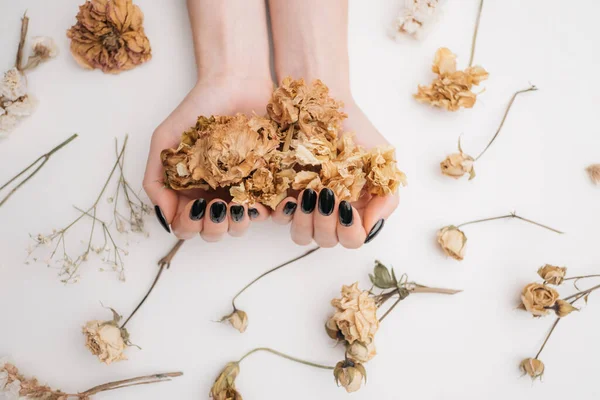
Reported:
(326, 201)
(198, 209)
(237, 213)
(218, 212)
(346, 214)
(376, 229)
(161, 218)
(309, 201)
(290, 208)
(253, 213)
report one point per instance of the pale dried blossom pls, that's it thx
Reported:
(563, 308)
(361, 352)
(356, 315)
(238, 320)
(15, 386)
(415, 17)
(532, 367)
(349, 375)
(13, 85)
(552, 274)
(43, 48)
(109, 35)
(458, 164)
(594, 173)
(538, 299)
(105, 340)
(224, 386)
(452, 89)
(453, 241)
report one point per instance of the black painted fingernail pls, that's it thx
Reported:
(326, 201)
(253, 213)
(161, 218)
(218, 212)
(376, 229)
(198, 209)
(346, 214)
(290, 208)
(237, 213)
(309, 201)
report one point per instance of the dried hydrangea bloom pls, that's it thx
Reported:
(414, 17)
(13, 85)
(109, 35)
(383, 175)
(452, 89)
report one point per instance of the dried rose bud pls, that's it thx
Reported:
(594, 173)
(532, 367)
(453, 241)
(458, 164)
(551, 274)
(563, 308)
(361, 352)
(238, 319)
(538, 299)
(349, 375)
(332, 329)
(224, 386)
(105, 340)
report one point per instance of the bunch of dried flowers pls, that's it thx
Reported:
(415, 17)
(298, 145)
(15, 101)
(15, 386)
(594, 173)
(541, 299)
(108, 248)
(453, 240)
(109, 35)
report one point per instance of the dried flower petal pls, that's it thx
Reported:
(563, 308)
(458, 164)
(361, 352)
(349, 375)
(538, 299)
(453, 241)
(238, 319)
(104, 339)
(13, 85)
(416, 15)
(532, 367)
(224, 386)
(594, 173)
(355, 314)
(22, 107)
(552, 274)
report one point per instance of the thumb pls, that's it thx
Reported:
(377, 211)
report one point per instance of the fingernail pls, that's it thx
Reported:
(161, 218)
(290, 208)
(376, 229)
(198, 209)
(253, 213)
(326, 201)
(346, 214)
(237, 213)
(218, 212)
(309, 201)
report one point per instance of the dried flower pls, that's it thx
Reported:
(224, 386)
(594, 173)
(452, 89)
(532, 367)
(361, 352)
(538, 299)
(356, 314)
(13, 85)
(457, 165)
(43, 48)
(384, 177)
(552, 274)
(238, 319)
(105, 340)
(349, 375)
(415, 17)
(563, 308)
(453, 241)
(109, 35)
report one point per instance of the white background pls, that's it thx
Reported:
(432, 347)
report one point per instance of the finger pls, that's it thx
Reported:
(284, 212)
(190, 220)
(325, 219)
(239, 221)
(258, 212)
(215, 221)
(350, 231)
(377, 211)
(302, 223)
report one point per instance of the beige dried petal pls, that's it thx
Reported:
(532, 367)
(13, 85)
(458, 164)
(453, 241)
(356, 315)
(552, 274)
(238, 319)
(349, 375)
(361, 352)
(538, 299)
(105, 341)
(563, 308)
(594, 173)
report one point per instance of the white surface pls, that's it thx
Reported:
(432, 347)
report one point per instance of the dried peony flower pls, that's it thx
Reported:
(451, 89)
(349, 375)
(453, 241)
(532, 367)
(538, 299)
(361, 352)
(238, 319)
(355, 315)
(13, 85)
(105, 340)
(594, 173)
(552, 274)
(224, 386)
(563, 308)
(109, 35)
(458, 164)
(414, 17)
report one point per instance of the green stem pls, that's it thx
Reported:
(474, 41)
(512, 215)
(283, 355)
(270, 271)
(510, 103)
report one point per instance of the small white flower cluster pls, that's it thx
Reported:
(415, 17)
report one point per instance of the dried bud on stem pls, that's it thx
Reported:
(532, 367)
(552, 274)
(349, 375)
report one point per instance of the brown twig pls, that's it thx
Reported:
(23, 38)
(141, 380)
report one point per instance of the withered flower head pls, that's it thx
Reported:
(538, 299)
(109, 35)
(532, 367)
(552, 274)
(224, 386)
(13, 85)
(349, 375)
(43, 48)
(383, 175)
(452, 88)
(104, 339)
(594, 173)
(453, 241)
(361, 352)
(457, 165)
(563, 308)
(238, 319)
(355, 315)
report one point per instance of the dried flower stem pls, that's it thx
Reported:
(163, 263)
(582, 293)
(270, 271)
(43, 158)
(24, 28)
(288, 357)
(547, 337)
(141, 380)
(581, 277)
(511, 215)
(474, 41)
(532, 88)
(411, 288)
